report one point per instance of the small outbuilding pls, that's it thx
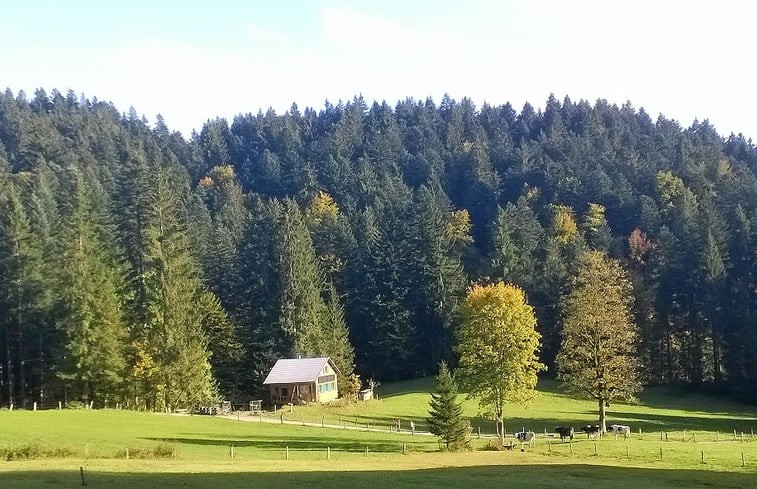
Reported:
(298, 380)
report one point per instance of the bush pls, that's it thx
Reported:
(76, 405)
(161, 450)
(34, 450)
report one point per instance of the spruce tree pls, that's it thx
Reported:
(92, 302)
(173, 338)
(446, 412)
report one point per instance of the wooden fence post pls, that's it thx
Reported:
(640, 435)
(684, 435)
(60, 405)
(595, 449)
(328, 453)
(628, 453)
(322, 421)
(479, 432)
(404, 448)
(703, 456)
(81, 472)
(743, 460)
(660, 453)
(366, 450)
(127, 453)
(734, 435)
(286, 457)
(570, 445)
(35, 405)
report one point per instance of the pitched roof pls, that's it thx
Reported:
(291, 370)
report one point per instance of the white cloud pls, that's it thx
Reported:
(260, 33)
(685, 62)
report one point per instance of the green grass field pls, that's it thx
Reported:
(198, 447)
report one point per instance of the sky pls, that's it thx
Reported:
(194, 61)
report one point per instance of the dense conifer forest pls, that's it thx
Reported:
(142, 268)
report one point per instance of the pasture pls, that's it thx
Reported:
(194, 451)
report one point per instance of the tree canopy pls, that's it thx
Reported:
(498, 346)
(353, 230)
(598, 353)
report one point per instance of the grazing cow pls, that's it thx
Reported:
(591, 430)
(564, 432)
(625, 430)
(525, 436)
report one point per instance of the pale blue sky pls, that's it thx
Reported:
(192, 62)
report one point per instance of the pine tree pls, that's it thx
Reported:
(301, 306)
(91, 298)
(437, 274)
(21, 290)
(172, 338)
(446, 412)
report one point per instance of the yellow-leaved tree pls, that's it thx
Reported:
(598, 353)
(498, 346)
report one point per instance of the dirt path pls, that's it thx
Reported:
(242, 416)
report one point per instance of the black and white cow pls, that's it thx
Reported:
(564, 432)
(620, 429)
(525, 436)
(592, 430)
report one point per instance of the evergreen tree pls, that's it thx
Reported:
(96, 335)
(21, 291)
(172, 337)
(446, 412)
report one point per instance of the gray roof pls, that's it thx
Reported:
(291, 370)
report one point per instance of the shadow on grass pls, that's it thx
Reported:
(569, 476)
(308, 444)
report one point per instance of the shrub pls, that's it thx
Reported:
(161, 450)
(34, 450)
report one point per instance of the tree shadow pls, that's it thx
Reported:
(279, 443)
(567, 476)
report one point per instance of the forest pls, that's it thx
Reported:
(140, 267)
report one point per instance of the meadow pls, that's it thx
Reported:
(47, 448)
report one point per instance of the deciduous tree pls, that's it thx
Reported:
(598, 353)
(498, 346)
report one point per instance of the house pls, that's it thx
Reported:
(297, 380)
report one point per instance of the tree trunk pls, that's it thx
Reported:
(602, 416)
(501, 423)
(9, 363)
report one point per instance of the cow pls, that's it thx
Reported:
(625, 430)
(525, 436)
(564, 432)
(591, 430)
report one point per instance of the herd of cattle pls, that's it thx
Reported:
(592, 431)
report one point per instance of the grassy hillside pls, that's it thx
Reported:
(658, 409)
(194, 450)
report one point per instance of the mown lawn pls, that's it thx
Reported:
(198, 447)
